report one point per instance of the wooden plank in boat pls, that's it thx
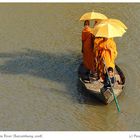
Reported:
(95, 86)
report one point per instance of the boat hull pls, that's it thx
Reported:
(97, 88)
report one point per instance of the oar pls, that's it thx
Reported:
(116, 101)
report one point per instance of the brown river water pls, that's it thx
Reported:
(40, 51)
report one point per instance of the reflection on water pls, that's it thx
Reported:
(39, 56)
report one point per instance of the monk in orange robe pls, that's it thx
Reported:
(104, 49)
(87, 47)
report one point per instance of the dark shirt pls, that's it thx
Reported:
(107, 82)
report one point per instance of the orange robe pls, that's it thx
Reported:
(87, 49)
(107, 50)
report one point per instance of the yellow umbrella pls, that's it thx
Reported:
(107, 29)
(92, 15)
(119, 23)
(114, 22)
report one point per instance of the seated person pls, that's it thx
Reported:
(111, 76)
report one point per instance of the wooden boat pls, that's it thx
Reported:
(96, 87)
